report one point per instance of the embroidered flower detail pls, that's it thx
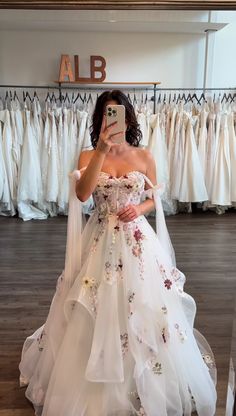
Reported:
(157, 368)
(142, 412)
(137, 250)
(131, 296)
(164, 336)
(88, 282)
(162, 270)
(168, 283)
(117, 228)
(208, 360)
(182, 334)
(175, 274)
(139, 339)
(124, 343)
(108, 276)
(138, 235)
(41, 340)
(119, 267)
(164, 309)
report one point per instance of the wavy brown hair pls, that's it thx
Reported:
(133, 133)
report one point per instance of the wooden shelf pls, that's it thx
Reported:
(108, 83)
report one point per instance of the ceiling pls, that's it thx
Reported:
(109, 21)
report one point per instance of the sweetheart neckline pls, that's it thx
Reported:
(122, 176)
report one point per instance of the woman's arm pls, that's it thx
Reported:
(88, 180)
(149, 205)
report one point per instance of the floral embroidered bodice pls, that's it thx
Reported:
(111, 193)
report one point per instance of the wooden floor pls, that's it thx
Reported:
(32, 257)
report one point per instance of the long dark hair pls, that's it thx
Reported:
(133, 132)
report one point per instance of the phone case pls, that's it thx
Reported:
(116, 113)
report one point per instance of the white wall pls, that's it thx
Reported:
(224, 59)
(175, 59)
(32, 57)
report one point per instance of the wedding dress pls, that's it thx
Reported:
(119, 337)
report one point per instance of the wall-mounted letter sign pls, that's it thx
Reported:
(97, 65)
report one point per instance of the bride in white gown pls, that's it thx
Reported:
(119, 337)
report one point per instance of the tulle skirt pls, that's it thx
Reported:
(120, 341)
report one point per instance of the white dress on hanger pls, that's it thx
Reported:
(158, 148)
(232, 148)
(221, 182)
(202, 141)
(52, 183)
(7, 145)
(178, 154)
(5, 196)
(119, 337)
(192, 186)
(210, 153)
(30, 191)
(63, 131)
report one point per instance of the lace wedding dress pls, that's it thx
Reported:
(119, 337)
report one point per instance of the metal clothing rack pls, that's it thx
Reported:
(154, 86)
(98, 86)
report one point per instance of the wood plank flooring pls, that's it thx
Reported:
(32, 257)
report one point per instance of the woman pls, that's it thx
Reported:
(119, 337)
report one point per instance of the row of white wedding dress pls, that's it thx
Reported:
(194, 148)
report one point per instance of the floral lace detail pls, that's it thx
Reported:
(102, 221)
(131, 296)
(208, 359)
(182, 334)
(90, 287)
(154, 365)
(111, 194)
(41, 340)
(142, 412)
(124, 343)
(134, 238)
(167, 281)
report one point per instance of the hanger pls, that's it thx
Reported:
(178, 98)
(89, 98)
(48, 97)
(15, 96)
(189, 98)
(146, 98)
(36, 95)
(76, 98)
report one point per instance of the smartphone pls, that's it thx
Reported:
(116, 113)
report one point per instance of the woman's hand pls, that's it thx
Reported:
(105, 141)
(129, 213)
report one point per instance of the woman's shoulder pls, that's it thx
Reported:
(144, 154)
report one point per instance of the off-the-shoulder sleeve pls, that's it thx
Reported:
(155, 192)
(75, 224)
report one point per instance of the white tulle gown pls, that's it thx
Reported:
(119, 337)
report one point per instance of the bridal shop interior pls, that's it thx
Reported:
(177, 68)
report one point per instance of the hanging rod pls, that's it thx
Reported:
(196, 89)
(83, 86)
(134, 86)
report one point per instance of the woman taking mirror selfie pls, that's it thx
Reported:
(119, 337)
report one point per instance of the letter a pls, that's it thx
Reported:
(66, 69)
